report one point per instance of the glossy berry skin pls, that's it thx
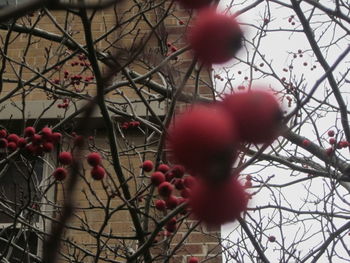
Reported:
(21, 142)
(215, 38)
(147, 166)
(3, 143)
(172, 202)
(218, 204)
(163, 168)
(60, 174)
(257, 114)
(12, 146)
(13, 137)
(331, 133)
(56, 137)
(193, 260)
(160, 205)
(94, 159)
(203, 139)
(29, 131)
(157, 178)
(178, 171)
(46, 132)
(65, 158)
(3, 133)
(47, 147)
(194, 4)
(165, 189)
(98, 172)
(272, 238)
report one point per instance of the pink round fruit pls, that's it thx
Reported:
(94, 159)
(257, 114)
(65, 158)
(98, 172)
(214, 37)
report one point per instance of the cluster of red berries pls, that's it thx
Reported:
(64, 104)
(132, 124)
(97, 171)
(34, 143)
(214, 37)
(206, 139)
(335, 145)
(167, 179)
(290, 20)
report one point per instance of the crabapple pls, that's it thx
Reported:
(204, 140)
(165, 189)
(29, 131)
(60, 174)
(94, 159)
(257, 114)
(163, 168)
(160, 205)
(98, 172)
(216, 204)
(147, 166)
(65, 158)
(157, 178)
(215, 37)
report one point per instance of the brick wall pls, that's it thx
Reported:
(96, 210)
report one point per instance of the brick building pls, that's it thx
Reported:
(47, 79)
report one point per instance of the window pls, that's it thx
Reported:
(21, 190)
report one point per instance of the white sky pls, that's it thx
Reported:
(277, 48)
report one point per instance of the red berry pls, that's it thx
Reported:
(169, 176)
(79, 141)
(170, 227)
(257, 114)
(94, 159)
(46, 132)
(179, 184)
(29, 131)
(160, 205)
(331, 133)
(193, 260)
(215, 37)
(21, 142)
(60, 174)
(3, 143)
(248, 177)
(98, 172)
(195, 4)
(185, 193)
(157, 178)
(332, 140)
(165, 189)
(3, 133)
(171, 202)
(203, 139)
(13, 138)
(189, 181)
(306, 143)
(47, 147)
(12, 146)
(220, 203)
(163, 168)
(56, 137)
(65, 158)
(37, 139)
(272, 238)
(178, 171)
(147, 166)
